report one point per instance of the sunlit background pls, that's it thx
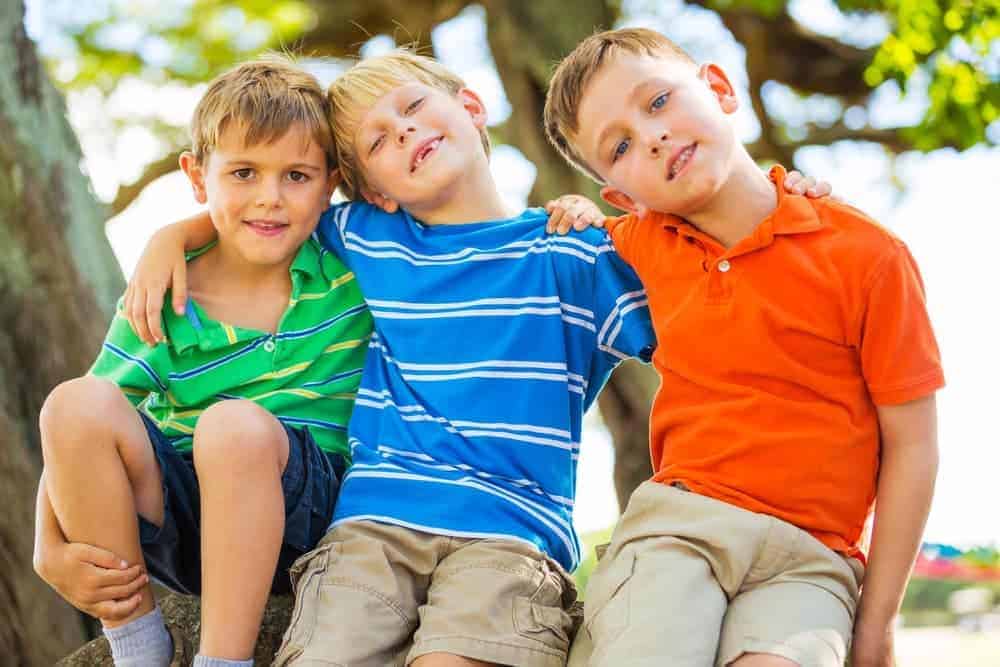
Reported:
(941, 203)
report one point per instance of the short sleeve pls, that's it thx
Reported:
(621, 310)
(332, 232)
(900, 359)
(138, 369)
(621, 229)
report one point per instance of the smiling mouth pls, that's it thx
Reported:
(680, 161)
(424, 150)
(266, 227)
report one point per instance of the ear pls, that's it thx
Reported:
(332, 181)
(622, 201)
(196, 174)
(720, 86)
(380, 200)
(472, 103)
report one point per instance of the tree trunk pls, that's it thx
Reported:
(58, 282)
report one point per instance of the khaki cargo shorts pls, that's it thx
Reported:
(374, 594)
(692, 581)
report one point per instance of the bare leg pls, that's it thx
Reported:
(100, 470)
(240, 453)
(762, 660)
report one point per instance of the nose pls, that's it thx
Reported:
(269, 193)
(402, 135)
(657, 143)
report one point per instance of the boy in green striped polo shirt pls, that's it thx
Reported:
(228, 441)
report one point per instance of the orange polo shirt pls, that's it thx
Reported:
(774, 353)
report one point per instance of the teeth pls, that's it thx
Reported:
(425, 152)
(681, 161)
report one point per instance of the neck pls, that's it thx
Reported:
(745, 199)
(226, 270)
(472, 198)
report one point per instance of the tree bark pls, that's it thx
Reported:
(58, 282)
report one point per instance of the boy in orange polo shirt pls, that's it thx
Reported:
(798, 369)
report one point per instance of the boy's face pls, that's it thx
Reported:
(265, 200)
(655, 129)
(416, 143)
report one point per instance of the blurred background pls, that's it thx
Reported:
(894, 102)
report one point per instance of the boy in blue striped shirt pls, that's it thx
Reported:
(452, 535)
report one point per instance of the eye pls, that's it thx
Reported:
(659, 101)
(413, 106)
(620, 149)
(243, 174)
(375, 144)
(297, 177)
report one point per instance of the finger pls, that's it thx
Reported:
(584, 219)
(549, 205)
(180, 288)
(791, 179)
(567, 221)
(127, 299)
(122, 592)
(116, 610)
(391, 206)
(154, 314)
(103, 577)
(554, 219)
(102, 558)
(138, 317)
(821, 189)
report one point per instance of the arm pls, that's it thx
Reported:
(161, 265)
(578, 212)
(93, 580)
(909, 466)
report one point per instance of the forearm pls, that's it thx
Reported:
(195, 231)
(903, 500)
(47, 530)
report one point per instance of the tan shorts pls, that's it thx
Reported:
(374, 594)
(692, 581)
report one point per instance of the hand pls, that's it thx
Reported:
(872, 647)
(572, 211)
(797, 184)
(161, 265)
(93, 580)
(380, 200)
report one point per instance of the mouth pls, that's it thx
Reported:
(679, 160)
(424, 150)
(266, 227)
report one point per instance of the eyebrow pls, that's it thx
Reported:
(297, 166)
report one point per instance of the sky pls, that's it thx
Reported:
(940, 204)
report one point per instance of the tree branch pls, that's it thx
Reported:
(127, 193)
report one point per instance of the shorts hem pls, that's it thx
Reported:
(780, 649)
(489, 651)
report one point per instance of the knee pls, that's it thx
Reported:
(235, 435)
(85, 404)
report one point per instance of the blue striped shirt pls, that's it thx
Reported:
(491, 340)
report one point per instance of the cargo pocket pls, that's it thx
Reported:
(541, 616)
(307, 574)
(606, 607)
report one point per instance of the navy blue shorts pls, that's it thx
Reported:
(310, 484)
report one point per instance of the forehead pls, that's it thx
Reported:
(618, 84)
(295, 143)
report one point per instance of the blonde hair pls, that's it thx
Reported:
(356, 91)
(266, 97)
(575, 72)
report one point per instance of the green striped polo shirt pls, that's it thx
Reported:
(306, 374)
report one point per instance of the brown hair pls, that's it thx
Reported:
(577, 70)
(267, 97)
(355, 92)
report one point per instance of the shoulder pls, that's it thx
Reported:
(854, 228)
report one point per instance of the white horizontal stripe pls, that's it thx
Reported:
(562, 530)
(491, 312)
(615, 312)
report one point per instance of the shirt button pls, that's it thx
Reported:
(269, 345)
(724, 266)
